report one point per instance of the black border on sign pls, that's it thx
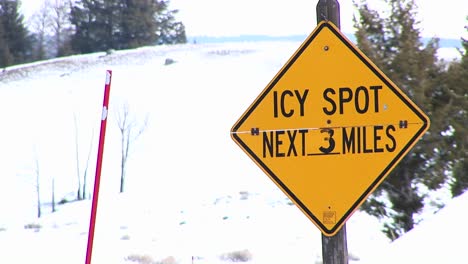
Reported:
(385, 171)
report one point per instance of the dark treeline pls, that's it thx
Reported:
(65, 27)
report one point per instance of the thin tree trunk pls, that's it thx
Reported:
(85, 175)
(38, 190)
(53, 195)
(122, 167)
(78, 195)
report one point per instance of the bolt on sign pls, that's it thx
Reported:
(329, 128)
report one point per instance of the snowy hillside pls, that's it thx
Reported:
(191, 195)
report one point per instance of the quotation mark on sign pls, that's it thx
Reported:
(403, 123)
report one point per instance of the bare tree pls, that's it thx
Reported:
(53, 195)
(61, 26)
(38, 190)
(77, 154)
(52, 28)
(40, 23)
(82, 185)
(85, 174)
(130, 130)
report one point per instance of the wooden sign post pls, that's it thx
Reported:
(334, 248)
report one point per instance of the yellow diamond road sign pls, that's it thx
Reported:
(329, 128)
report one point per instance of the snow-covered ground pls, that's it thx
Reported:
(191, 195)
(440, 238)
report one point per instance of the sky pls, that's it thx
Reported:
(444, 19)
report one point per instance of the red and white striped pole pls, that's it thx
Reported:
(97, 177)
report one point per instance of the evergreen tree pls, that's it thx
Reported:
(457, 125)
(15, 43)
(88, 33)
(108, 29)
(138, 24)
(168, 30)
(6, 58)
(395, 45)
(121, 24)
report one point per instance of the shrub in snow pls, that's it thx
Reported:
(244, 195)
(140, 259)
(146, 259)
(169, 61)
(34, 226)
(237, 256)
(63, 201)
(168, 260)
